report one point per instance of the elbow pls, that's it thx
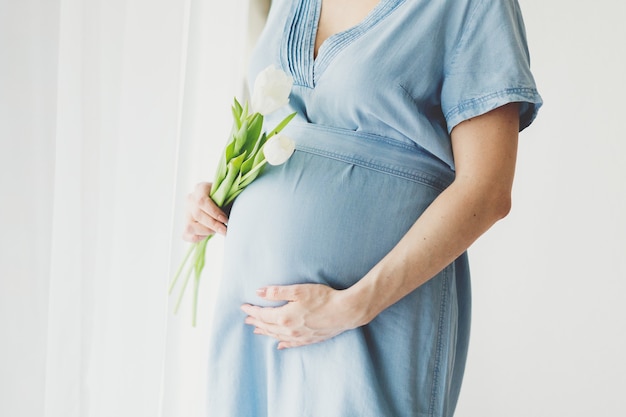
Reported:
(488, 201)
(501, 205)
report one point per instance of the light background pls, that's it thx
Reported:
(549, 321)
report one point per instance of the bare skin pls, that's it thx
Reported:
(339, 15)
(485, 150)
(203, 217)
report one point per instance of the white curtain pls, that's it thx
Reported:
(110, 112)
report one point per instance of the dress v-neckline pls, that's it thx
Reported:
(318, 20)
(298, 49)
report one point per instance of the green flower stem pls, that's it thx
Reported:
(253, 170)
(198, 266)
(180, 268)
(199, 250)
(232, 197)
(281, 125)
(218, 195)
(182, 290)
(196, 286)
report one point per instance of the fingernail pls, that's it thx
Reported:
(222, 219)
(261, 292)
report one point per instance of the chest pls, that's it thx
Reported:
(340, 15)
(388, 46)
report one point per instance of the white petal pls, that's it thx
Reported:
(271, 90)
(278, 149)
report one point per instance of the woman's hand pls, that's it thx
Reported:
(313, 313)
(203, 217)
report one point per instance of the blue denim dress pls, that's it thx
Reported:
(375, 109)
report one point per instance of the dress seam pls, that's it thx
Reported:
(439, 348)
(470, 103)
(462, 38)
(424, 178)
(367, 135)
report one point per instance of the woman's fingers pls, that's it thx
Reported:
(280, 293)
(272, 330)
(195, 232)
(287, 337)
(207, 205)
(270, 315)
(208, 221)
(313, 313)
(204, 217)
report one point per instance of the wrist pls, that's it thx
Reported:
(359, 300)
(377, 290)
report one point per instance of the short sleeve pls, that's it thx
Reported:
(490, 65)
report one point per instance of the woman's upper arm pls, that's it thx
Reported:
(485, 151)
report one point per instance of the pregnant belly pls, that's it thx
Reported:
(317, 219)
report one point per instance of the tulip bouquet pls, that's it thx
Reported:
(243, 159)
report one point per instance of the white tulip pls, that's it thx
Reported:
(271, 90)
(278, 149)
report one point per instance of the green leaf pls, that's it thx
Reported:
(258, 146)
(251, 176)
(247, 178)
(258, 158)
(238, 116)
(237, 109)
(233, 131)
(249, 162)
(281, 125)
(232, 197)
(254, 131)
(244, 112)
(240, 137)
(220, 193)
(227, 155)
(236, 120)
(236, 162)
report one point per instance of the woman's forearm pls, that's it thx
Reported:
(444, 231)
(485, 153)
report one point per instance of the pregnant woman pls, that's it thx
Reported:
(346, 288)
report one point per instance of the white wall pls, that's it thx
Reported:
(549, 281)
